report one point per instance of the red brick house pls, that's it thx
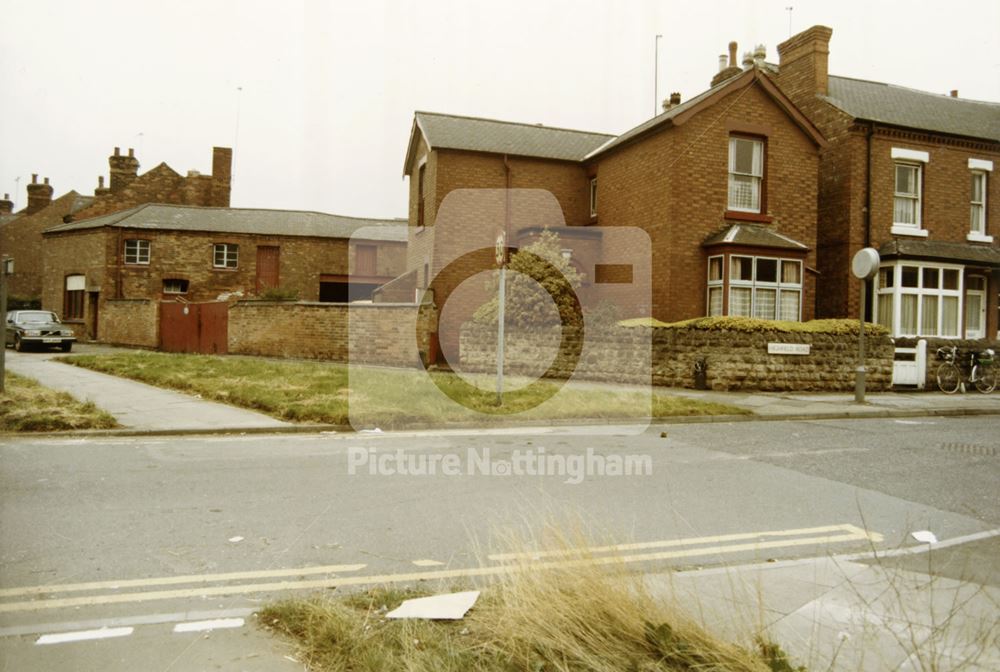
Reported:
(158, 252)
(21, 232)
(912, 174)
(724, 184)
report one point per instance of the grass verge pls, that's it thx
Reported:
(582, 617)
(28, 407)
(321, 392)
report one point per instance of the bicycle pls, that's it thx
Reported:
(982, 373)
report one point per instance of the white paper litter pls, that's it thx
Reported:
(235, 540)
(450, 607)
(926, 536)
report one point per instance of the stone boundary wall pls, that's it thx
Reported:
(384, 333)
(933, 361)
(129, 322)
(735, 360)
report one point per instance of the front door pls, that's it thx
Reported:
(267, 267)
(975, 307)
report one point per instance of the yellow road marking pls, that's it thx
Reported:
(855, 534)
(174, 580)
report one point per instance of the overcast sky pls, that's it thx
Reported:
(329, 88)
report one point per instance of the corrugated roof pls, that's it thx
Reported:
(940, 250)
(900, 106)
(163, 217)
(447, 131)
(753, 235)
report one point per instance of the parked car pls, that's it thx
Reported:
(26, 328)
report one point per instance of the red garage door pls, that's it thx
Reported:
(195, 327)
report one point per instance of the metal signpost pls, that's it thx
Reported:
(501, 259)
(864, 266)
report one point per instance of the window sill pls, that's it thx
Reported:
(748, 216)
(224, 269)
(898, 230)
(979, 238)
(417, 230)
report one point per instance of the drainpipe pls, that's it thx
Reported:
(118, 267)
(868, 185)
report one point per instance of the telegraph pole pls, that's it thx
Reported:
(3, 324)
(656, 75)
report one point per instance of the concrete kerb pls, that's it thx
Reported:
(860, 414)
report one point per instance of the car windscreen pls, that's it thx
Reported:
(36, 317)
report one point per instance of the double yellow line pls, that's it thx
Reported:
(507, 562)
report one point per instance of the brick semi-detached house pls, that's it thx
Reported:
(724, 184)
(21, 232)
(913, 174)
(158, 252)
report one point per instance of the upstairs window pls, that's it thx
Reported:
(226, 255)
(136, 251)
(906, 197)
(746, 174)
(420, 195)
(593, 197)
(977, 204)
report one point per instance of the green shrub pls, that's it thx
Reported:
(753, 325)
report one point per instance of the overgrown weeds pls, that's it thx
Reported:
(30, 407)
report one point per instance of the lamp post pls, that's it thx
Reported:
(864, 266)
(501, 259)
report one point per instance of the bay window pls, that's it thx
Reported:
(919, 299)
(767, 288)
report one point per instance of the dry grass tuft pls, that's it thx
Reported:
(30, 407)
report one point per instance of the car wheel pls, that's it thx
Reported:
(66, 347)
(18, 345)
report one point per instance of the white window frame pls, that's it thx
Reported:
(185, 284)
(980, 169)
(757, 178)
(230, 252)
(778, 285)
(137, 252)
(593, 197)
(718, 284)
(916, 159)
(897, 291)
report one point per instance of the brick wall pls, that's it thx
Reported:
(385, 334)
(965, 346)
(130, 322)
(736, 360)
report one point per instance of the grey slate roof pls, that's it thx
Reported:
(943, 251)
(753, 235)
(163, 217)
(446, 131)
(900, 106)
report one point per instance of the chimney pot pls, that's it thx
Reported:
(675, 98)
(954, 93)
(34, 178)
(46, 180)
(118, 151)
(732, 54)
(100, 181)
(131, 152)
(747, 59)
(6, 196)
(722, 62)
(759, 54)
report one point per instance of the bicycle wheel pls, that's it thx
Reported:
(948, 378)
(986, 381)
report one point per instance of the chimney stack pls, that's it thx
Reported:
(6, 205)
(222, 175)
(722, 62)
(124, 169)
(725, 72)
(39, 195)
(670, 103)
(954, 93)
(803, 63)
(101, 190)
(759, 55)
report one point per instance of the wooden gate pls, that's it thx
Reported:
(195, 327)
(267, 267)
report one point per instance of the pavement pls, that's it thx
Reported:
(851, 613)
